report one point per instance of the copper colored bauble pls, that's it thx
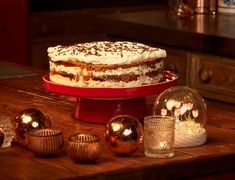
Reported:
(1, 138)
(28, 120)
(124, 134)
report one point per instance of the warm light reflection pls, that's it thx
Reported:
(26, 118)
(127, 132)
(35, 124)
(116, 126)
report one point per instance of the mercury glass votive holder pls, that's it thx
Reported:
(159, 136)
(1, 138)
(84, 147)
(7, 128)
(46, 142)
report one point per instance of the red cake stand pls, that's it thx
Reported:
(99, 105)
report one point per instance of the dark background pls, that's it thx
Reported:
(48, 5)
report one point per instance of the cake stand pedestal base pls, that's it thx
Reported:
(100, 104)
(102, 110)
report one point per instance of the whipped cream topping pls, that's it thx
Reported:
(105, 52)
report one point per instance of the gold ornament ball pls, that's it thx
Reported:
(28, 120)
(123, 135)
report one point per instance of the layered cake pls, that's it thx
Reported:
(106, 64)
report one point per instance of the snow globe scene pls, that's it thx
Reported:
(189, 110)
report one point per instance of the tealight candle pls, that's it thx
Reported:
(163, 145)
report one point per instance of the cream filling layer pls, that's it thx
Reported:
(90, 83)
(77, 71)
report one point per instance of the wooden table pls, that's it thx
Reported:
(216, 157)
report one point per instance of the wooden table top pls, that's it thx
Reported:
(205, 33)
(16, 94)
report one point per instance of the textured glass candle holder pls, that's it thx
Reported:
(159, 136)
(45, 142)
(7, 128)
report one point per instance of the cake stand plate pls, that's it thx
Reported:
(99, 105)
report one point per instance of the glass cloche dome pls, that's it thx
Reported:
(189, 110)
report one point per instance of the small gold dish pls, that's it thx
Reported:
(46, 142)
(84, 147)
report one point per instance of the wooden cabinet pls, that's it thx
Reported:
(213, 76)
